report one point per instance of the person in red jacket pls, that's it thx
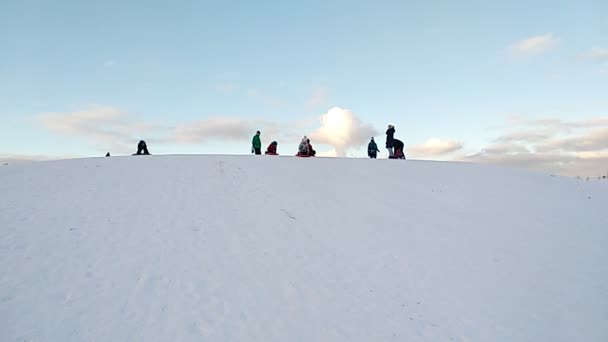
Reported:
(311, 151)
(272, 149)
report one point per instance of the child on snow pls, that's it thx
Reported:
(272, 149)
(398, 144)
(311, 151)
(142, 148)
(372, 149)
(303, 148)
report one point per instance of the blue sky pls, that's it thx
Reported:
(457, 79)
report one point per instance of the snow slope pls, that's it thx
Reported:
(244, 248)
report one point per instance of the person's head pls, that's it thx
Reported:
(391, 126)
(372, 138)
(257, 133)
(275, 143)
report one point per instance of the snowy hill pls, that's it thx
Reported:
(239, 248)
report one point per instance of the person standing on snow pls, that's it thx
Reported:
(372, 149)
(256, 144)
(390, 137)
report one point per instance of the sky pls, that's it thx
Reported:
(515, 83)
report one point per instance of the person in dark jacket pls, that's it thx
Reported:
(272, 149)
(311, 151)
(390, 137)
(372, 149)
(398, 145)
(142, 148)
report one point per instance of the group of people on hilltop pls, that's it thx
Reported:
(394, 146)
(305, 149)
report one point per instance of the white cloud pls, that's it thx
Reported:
(533, 45)
(221, 128)
(105, 127)
(330, 153)
(571, 148)
(342, 129)
(435, 147)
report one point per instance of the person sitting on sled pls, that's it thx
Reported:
(398, 145)
(311, 151)
(272, 149)
(303, 148)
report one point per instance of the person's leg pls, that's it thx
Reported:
(146, 150)
(390, 152)
(258, 151)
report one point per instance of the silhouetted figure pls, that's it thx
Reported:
(142, 148)
(256, 144)
(272, 149)
(390, 134)
(108, 154)
(303, 148)
(398, 145)
(372, 149)
(311, 151)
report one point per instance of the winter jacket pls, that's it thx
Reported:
(256, 142)
(398, 144)
(372, 148)
(303, 147)
(311, 151)
(390, 133)
(272, 149)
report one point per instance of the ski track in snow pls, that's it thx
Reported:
(244, 248)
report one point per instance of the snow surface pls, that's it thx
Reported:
(244, 248)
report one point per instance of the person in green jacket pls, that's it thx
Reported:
(256, 144)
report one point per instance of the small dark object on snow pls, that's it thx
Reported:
(142, 148)
(108, 154)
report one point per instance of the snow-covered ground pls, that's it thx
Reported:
(244, 248)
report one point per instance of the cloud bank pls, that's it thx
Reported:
(102, 126)
(435, 147)
(570, 148)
